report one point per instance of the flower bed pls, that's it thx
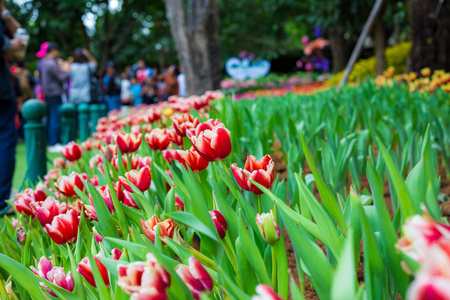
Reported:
(163, 204)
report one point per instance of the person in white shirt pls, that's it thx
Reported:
(125, 90)
(181, 83)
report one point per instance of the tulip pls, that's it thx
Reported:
(134, 162)
(145, 161)
(128, 200)
(98, 238)
(90, 212)
(419, 234)
(168, 184)
(195, 277)
(184, 122)
(89, 144)
(106, 195)
(179, 205)
(109, 151)
(158, 139)
(166, 228)
(212, 142)
(51, 175)
(66, 184)
(144, 280)
(219, 222)
(268, 228)
(265, 292)
(192, 159)
(55, 275)
(141, 179)
(72, 151)
(64, 228)
(153, 115)
(128, 143)
(208, 125)
(260, 171)
(59, 163)
(94, 180)
(175, 138)
(21, 235)
(96, 161)
(116, 254)
(85, 269)
(47, 210)
(433, 278)
(170, 155)
(23, 204)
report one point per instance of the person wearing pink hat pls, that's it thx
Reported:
(42, 50)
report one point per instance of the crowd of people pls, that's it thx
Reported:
(75, 79)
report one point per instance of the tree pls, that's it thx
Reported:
(430, 35)
(195, 30)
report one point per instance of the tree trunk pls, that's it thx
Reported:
(430, 36)
(338, 48)
(195, 30)
(380, 42)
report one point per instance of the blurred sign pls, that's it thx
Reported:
(246, 68)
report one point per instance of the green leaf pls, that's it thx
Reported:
(406, 204)
(344, 278)
(193, 222)
(329, 201)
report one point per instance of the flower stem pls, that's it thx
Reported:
(232, 256)
(274, 268)
(225, 167)
(259, 204)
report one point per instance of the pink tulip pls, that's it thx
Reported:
(219, 222)
(166, 228)
(211, 140)
(179, 205)
(116, 254)
(265, 292)
(21, 235)
(64, 228)
(145, 161)
(144, 280)
(134, 162)
(128, 143)
(141, 179)
(195, 277)
(72, 151)
(66, 184)
(175, 138)
(55, 275)
(184, 122)
(59, 163)
(192, 159)
(128, 200)
(106, 195)
(158, 139)
(260, 171)
(48, 209)
(85, 269)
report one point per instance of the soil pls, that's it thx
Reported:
(281, 170)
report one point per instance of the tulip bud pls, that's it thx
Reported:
(97, 236)
(116, 254)
(85, 269)
(128, 143)
(219, 222)
(265, 292)
(21, 235)
(141, 179)
(179, 205)
(268, 228)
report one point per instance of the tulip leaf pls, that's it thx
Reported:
(322, 219)
(231, 287)
(406, 204)
(310, 226)
(193, 222)
(101, 287)
(251, 252)
(319, 269)
(329, 201)
(136, 249)
(388, 233)
(344, 278)
(105, 220)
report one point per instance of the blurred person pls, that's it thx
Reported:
(81, 72)
(53, 76)
(125, 90)
(170, 82)
(143, 72)
(112, 82)
(181, 82)
(24, 91)
(149, 91)
(136, 91)
(8, 106)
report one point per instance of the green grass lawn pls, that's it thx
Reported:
(21, 164)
